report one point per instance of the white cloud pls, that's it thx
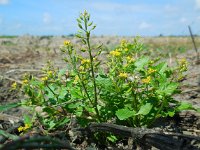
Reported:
(108, 6)
(197, 4)
(144, 25)
(4, 2)
(183, 20)
(47, 19)
(170, 9)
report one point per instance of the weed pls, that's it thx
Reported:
(132, 89)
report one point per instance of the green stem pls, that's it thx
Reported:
(52, 91)
(81, 81)
(135, 104)
(158, 112)
(95, 104)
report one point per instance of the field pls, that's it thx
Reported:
(29, 54)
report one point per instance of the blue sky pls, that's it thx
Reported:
(112, 17)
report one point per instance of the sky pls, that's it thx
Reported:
(112, 17)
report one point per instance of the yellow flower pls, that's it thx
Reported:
(14, 85)
(183, 65)
(146, 80)
(49, 73)
(183, 61)
(123, 75)
(130, 59)
(67, 43)
(21, 128)
(123, 42)
(27, 126)
(81, 68)
(150, 71)
(115, 53)
(85, 61)
(44, 78)
(76, 79)
(25, 81)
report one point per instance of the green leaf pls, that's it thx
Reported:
(145, 109)
(171, 112)
(167, 88)
(8, 106)
(63, 93)
(79, 111)
(104, 81)
(51, 125)
(185, 106)
(76, 93)
(49, 110)
(62, 122)
(141, 63)
(62, 72)
(171, 88)
(198, 110)
(74, 105)
(27, 120)
(161, 67)
(8, 135)
(112, 138)
(125, 113)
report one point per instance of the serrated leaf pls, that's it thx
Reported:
(63, 93)
(167, 88)
(75, 93)
(161, 67)
(141, 63)
(171, 88)
(125, 113)
(145, 109)
(104, 81)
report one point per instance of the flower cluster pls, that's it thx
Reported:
(14, 85)
(183, 65)
(123, 75)
(146, 80)
(21, 128)
(115, 53)
(130, 59)
(67, 43)
(44, 78)
(85, 61)
(123, 43)
(76, 79)
(25, 81)
(150, 71)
